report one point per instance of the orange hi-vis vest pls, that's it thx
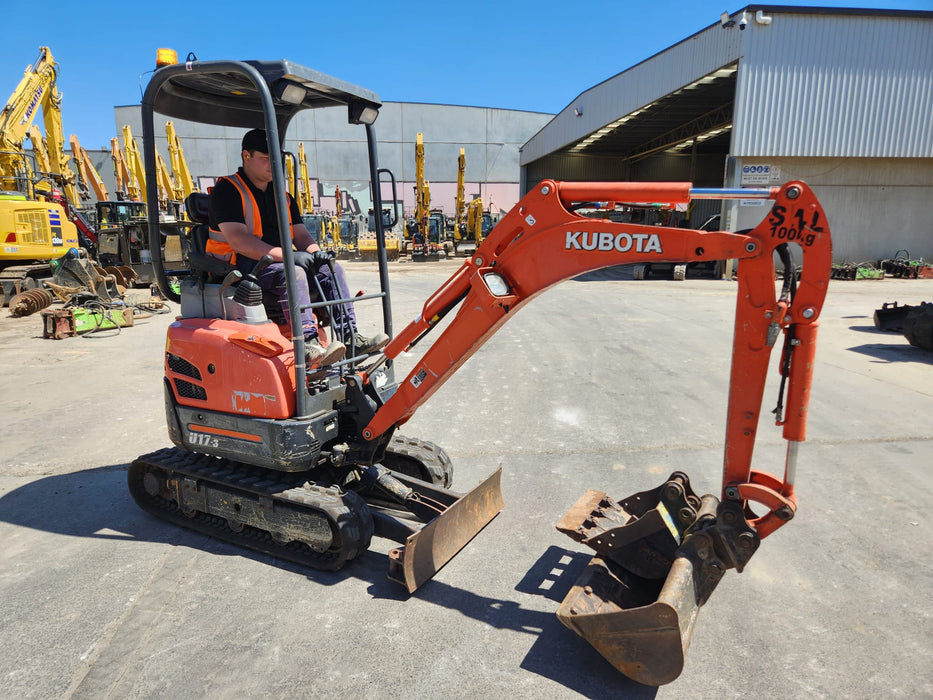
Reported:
(217, 245)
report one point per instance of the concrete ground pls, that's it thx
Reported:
(600, 383)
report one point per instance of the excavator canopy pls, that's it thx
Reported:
(225, 96)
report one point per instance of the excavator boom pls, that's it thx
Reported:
(136, 184)
(182, 181)
(540, 243)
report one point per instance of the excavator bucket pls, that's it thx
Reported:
(660, 554)
(428, 548)
(890, 317)
(642, 631)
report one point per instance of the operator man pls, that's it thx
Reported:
(243, 219)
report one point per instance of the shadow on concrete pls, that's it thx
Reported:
(895, 353)
(96, 504)
(557, 653)
(573, 663)
(873, 330)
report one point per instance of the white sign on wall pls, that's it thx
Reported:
(760, 174)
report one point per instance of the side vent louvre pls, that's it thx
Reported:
(181, 366)
(188, 390)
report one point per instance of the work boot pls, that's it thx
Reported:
(316, 355)
(364, 345)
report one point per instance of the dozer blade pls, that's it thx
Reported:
(427, 550)
(645, 640)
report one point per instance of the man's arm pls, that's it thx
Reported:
(244, 243)
(303, 238)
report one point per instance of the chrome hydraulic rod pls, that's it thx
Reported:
(732, 193)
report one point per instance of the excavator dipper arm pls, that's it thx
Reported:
(668, 544)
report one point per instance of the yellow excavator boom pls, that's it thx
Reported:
(164, 180)
(290, 180)
(422, 187)
(182, 180)
(305, 199)
(37, 90)
(39, 150)
(136, 186)
(460, 202)
(120, 171)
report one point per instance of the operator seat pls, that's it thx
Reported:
(213, 270)
(197, 205)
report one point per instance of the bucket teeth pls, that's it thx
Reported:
(640, 533)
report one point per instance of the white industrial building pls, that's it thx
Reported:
(337, 157)
(841, 99)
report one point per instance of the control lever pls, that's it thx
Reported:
(249, 293)
(232, 277)
(263, 263)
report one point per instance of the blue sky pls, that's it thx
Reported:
(513, 54)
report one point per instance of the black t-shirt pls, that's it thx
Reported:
(226, 205)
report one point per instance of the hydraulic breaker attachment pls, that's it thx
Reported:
(660, 554)
(427, 547)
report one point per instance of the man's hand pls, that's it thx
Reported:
(304, 260)
(311, 262)
(322, 257)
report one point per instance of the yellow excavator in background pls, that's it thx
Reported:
(291, 175)
(169, 207)
(122, 229)
(468, 218)
(136, 186)
(470, 232)
(166, 185)
(182, 180)
(121, 172)
(418, 239)
(305, 198)
(34, 213)
(460, 201)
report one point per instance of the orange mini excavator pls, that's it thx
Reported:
(308, 465)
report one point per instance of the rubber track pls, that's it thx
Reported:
(432, 456)
(349, 517)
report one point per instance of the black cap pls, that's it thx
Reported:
(255, 140)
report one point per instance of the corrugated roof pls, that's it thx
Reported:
(810, 82)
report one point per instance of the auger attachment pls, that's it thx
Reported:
(659, 556)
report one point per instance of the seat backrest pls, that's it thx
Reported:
(197, 205)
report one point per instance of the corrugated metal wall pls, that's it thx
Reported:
(814, 85)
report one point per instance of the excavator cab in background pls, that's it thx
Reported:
(306, 463)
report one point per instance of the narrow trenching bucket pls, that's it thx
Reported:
(660, 554)
(437, 542)
(642, 628)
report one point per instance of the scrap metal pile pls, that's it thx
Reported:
(82, 297)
